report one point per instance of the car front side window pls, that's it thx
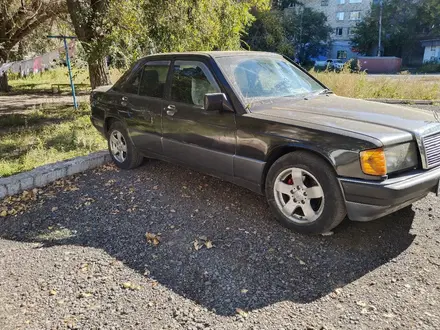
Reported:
(191, 81)
(153, 80)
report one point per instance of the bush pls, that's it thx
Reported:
(430, 67)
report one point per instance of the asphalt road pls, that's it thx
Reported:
(78, 258)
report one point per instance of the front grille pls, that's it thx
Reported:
(431, 144)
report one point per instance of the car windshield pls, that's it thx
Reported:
(262, 77)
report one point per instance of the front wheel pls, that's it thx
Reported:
(304, 194)
(122, 150)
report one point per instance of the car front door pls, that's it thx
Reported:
(201, 139)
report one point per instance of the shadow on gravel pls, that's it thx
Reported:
(254, 262)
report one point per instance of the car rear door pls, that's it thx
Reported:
(141, 105)
(203, 140)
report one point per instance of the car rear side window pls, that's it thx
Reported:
(154, 77)
(130, 84)
(191, 81)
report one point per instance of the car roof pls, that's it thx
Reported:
(214, 54)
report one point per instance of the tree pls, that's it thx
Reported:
(298, 30)
(268, 33)
(308, 30)
(90, 19)
(132, 28)
(187, 25)
(18, 19)
(402, 26)
(429, 17)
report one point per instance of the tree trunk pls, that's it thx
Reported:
(98, 71)
(4, 83)
(4, 78)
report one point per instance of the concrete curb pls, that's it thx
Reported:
(415, 102)
(46, 174)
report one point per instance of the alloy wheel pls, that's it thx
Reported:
(299, 195)
(118, 146)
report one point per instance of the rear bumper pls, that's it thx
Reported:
(369, 200)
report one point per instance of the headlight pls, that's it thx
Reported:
(401, 157)
(387, 160)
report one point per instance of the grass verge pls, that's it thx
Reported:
(363, 86)
(43, 144)
(42, 82)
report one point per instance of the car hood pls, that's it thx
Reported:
(384, 122)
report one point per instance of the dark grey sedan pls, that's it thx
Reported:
(258, 120)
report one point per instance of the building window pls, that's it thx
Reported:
(340, 16)
(355, 15)
(355, 1)
(339, 31)
(324, 2)
(341, 2)
(342, 54)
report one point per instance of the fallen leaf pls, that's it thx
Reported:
(241, 312)
(54, 208)
(153, 238)
(208, 244)
(203, 238)
(52, 292)
(85, 295)
(300, 261)
(361, 303)
(196, 245)
(4, 213)
(244, 291)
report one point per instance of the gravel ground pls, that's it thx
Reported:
(215, 258)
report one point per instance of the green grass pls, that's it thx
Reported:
(35, 146)
(42, 82)
(360, 85)
(43, 114)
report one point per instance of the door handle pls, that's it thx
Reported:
(171, 110)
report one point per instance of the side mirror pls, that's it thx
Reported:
(217, 102)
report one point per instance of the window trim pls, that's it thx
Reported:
(343, 16)
(342, 51)
(156, 63)
(359, 12)
(206, 70)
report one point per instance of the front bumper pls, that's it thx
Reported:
(369, 200)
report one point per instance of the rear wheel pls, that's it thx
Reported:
(122, 150)
(304, 194)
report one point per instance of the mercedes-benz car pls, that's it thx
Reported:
(260, 121)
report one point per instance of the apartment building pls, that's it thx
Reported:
(342, 16)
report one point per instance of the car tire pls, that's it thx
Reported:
(294, 185)
(122, 150)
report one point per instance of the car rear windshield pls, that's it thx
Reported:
(261, 77)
